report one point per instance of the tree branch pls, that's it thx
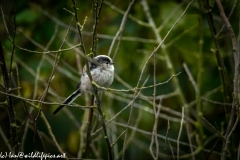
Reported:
(11, 114)
(235, 104)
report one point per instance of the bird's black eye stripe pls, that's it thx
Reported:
(103, 60)
(92, 66)
(100, 60)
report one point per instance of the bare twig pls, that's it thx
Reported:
(133, 133)
(119, 33)
(42, 102)
(164, 137)
(215, 102)
(103, 36)
(96, 15)
(36, 132)
(161, 44)
(136, 93)
(166, 140)
(222, 69)
(11, 114)
(118, 138)
(142, 23)
(51, 134)
(230, 14)
(213, 148)
(235, 103)
(5, 140)
(198, 97)
(191, 77)
(189, 130)
(110, 154)
(136, 88)
(13, 38)
(156, 113)
(218, 132)
(49, 52)
(57, 57)
(89, 127)
(179, 134)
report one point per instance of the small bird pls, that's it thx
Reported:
(102, 70)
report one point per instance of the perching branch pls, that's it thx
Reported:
(96, 15)
(95, 89)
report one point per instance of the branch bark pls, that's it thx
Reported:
(11, 114)
(97, 102)
(235, 104)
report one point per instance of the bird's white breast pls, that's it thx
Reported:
(102, 76)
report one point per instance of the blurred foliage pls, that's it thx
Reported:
(38, 21)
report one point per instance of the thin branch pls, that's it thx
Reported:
(120, 30)
(79, 28)
(57, 57)
(146, 109)
(41, 62)
(215, 102)
(103, 36)
(191, 78)
(163, 137)
(189, 130)
(142, 23)
(218, 132)
(36, 132)
(166, 140)
(136, 88)
(234, 45)
(89, 128)
(215, 144)
(133, 133)
(43, 102)
(96, 15)
(230, 14)
(156, 114)
(168, 18)
(198, 98)
(136, 93)
(118, 138)
(5, 140)
(179, 134)
(4, 22)
(13, 38)
(235, 104)
(48, 52)
(11, 114)
(51, 134)
(221, 65)
(178, 37)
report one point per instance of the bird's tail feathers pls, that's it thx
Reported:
(69, 100)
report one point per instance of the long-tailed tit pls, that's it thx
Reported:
(102, 71)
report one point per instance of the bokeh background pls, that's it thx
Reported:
(42, 26)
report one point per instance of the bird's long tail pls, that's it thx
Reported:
(69, 100)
